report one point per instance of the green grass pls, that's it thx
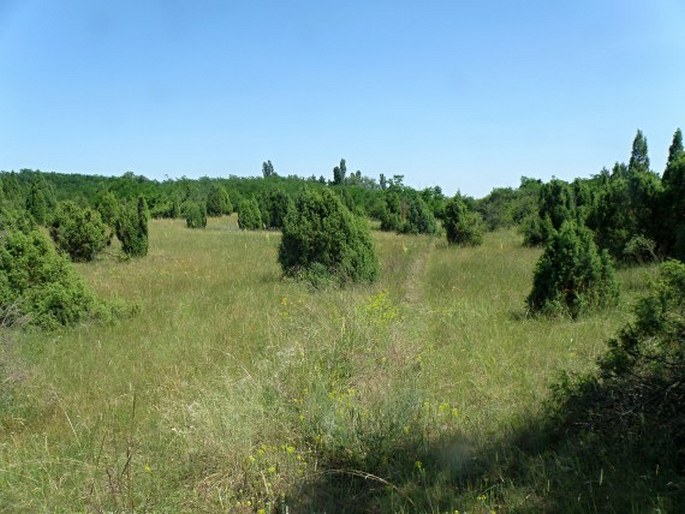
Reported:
(235, 390)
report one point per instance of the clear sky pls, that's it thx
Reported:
(467, 95)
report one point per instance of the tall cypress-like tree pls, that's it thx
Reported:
(109, 208)
(673, 208)
(218, 202)
(675, 151)
(268, 169)
(132, 229)
(639, 158)
(36, 204)
(339, 173)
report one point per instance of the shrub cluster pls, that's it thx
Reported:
(407, 215)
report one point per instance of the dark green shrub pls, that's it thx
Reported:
(132, 229)
(655, 343)
(249, 215)
(37, 285)
(195, 214)
(610, 218)
(109, 209)
(673, 208)
(463, 227)
(37, 205)
(322, 240)
(556, 204)
(218, 201)
(571, 276)
(420, 219)
(536, 230)
(628, 416)
(390, 220)
(274, 208)
(40, 200)
(80, 233)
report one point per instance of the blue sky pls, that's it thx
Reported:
(467, 95)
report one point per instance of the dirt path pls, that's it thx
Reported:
(414, 281)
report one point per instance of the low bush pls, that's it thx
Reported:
(37, 285)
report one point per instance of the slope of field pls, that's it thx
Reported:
(235, 390)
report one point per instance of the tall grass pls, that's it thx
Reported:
(236, 390)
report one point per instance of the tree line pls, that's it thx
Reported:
(627, 215)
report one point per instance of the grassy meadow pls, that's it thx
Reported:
(235, 390)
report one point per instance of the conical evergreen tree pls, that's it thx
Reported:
(132, 229)
(675, 151)
(572, 276)
(639, 160)
(463, 227)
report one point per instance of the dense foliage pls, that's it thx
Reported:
(406, 212)
(132, 229)
(249, 215)
(274, 207)
(195, 214)
(556, 204)
(109, 209)
(673, 207)
(322, 240)
(79, 232)
(631, 410)
(40, 200)
(572, 276)
(37, 285)
(508, 207)
(218, 201)
(634, 214)
(463, 227)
